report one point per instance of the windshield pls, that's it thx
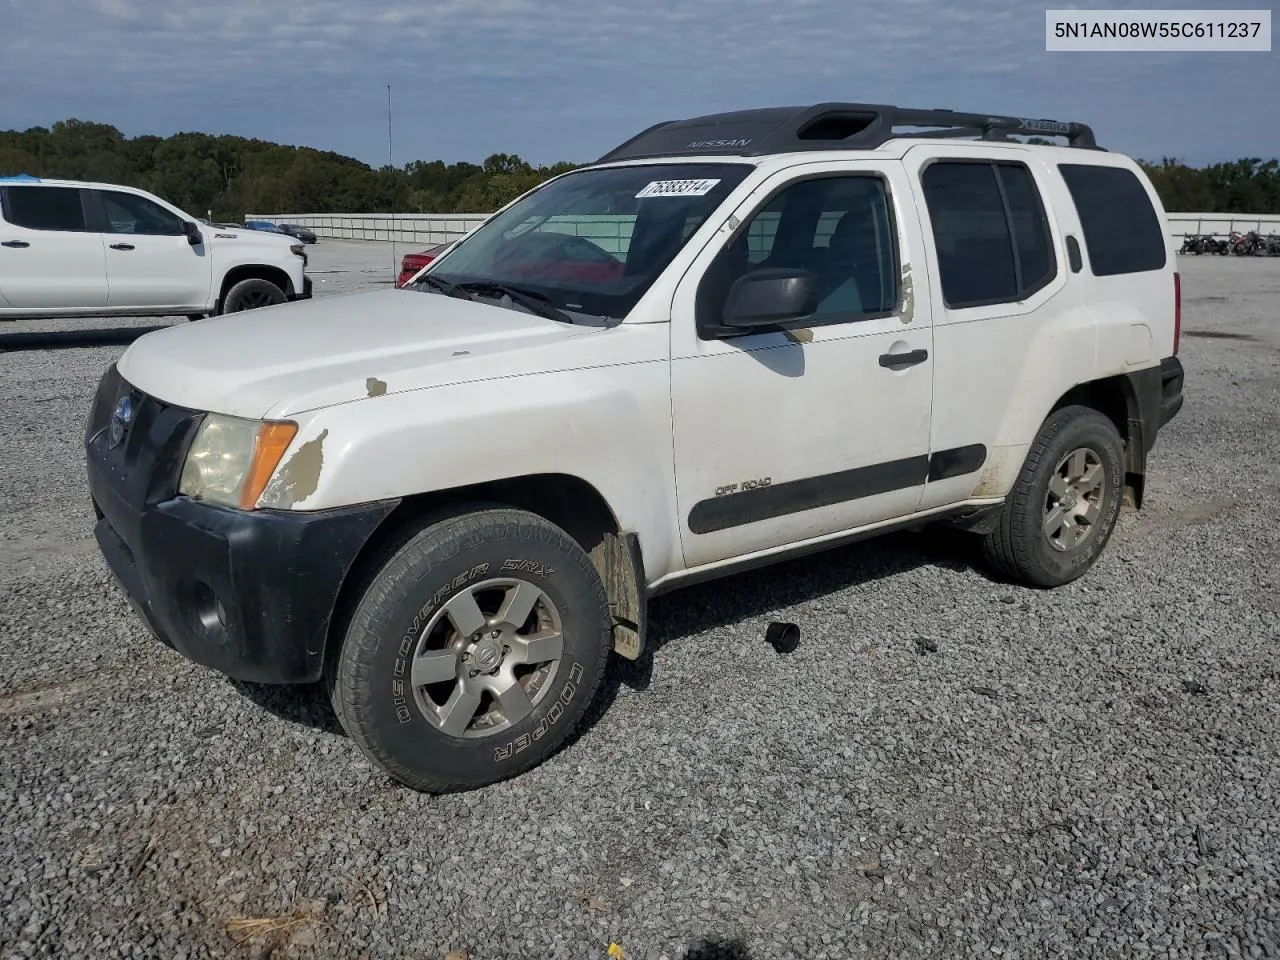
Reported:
(593, 241)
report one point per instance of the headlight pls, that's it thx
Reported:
(231, 460)
(299, 250)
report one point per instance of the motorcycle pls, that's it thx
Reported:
(1246, 244)
(1202, 244)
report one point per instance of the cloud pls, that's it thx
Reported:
(570, 79)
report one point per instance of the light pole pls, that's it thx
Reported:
(391, 173)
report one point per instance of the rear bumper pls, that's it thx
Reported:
(1153, 398)
(1171, 380)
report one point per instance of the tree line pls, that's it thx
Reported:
(231, 176)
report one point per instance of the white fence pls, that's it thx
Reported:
(428, 229)
(1221, 224)
(424, 228)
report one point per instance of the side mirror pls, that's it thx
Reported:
(766, 298)
(192, 230)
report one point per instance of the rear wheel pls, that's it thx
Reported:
(473, 652)
(251, 294)
(1065, 503)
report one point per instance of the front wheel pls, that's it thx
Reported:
(251, 294)
(473, 652)
(1066, 501)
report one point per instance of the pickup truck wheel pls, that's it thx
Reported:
(1065, 504)
(251, 294)
(473, 652)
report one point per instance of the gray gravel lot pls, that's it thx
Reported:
(1090, 772)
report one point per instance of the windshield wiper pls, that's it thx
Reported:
(444, 286)
(535, 302)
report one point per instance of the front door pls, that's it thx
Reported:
(789, 435)
(150, 262)
(50, 258)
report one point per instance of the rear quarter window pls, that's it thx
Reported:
(1122, 231)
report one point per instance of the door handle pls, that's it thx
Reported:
(908, 359)
(15, 243)
(122, 246)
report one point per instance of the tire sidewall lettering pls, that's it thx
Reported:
(406, 711)
(553, 715)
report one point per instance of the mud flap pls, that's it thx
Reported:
(621, 567)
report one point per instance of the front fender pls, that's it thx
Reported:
(609, 426)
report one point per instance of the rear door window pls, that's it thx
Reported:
(990, 231)
(1122, 232)
(45, 208)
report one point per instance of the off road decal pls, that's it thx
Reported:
(744, 486)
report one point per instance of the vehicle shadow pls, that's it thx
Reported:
(717, 949)
(304, 704)
(748, 596)
(696, 609)
(89, 337)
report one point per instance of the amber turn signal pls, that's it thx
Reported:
(272, 441)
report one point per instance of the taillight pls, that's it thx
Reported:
(1177, 311)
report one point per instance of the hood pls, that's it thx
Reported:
(283, 360)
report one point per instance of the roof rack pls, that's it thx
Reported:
(829, 126)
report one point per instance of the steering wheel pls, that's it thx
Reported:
(580, 248)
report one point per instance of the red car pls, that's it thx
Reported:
(549, 255)
(413, 262)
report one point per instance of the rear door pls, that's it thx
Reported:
(50, 258)
(150, 262)
(1012, 334)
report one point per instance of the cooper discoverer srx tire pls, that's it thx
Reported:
(1064, 505)
(474, 651)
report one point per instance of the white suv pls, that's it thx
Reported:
(73, 249)
(732, 340)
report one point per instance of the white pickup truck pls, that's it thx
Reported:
(731, 340)
(73, 249)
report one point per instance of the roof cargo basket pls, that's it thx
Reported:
(830, 126)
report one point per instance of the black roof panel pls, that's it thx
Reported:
(828, 126)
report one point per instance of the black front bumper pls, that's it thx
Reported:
(306, 293)
(250, 594)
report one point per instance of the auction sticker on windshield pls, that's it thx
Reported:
(677, 188)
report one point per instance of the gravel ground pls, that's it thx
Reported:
(945, 767)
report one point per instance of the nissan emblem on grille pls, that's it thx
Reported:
(121, 419)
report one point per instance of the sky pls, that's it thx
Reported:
(557, 80)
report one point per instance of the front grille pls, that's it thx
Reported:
(145, 463)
